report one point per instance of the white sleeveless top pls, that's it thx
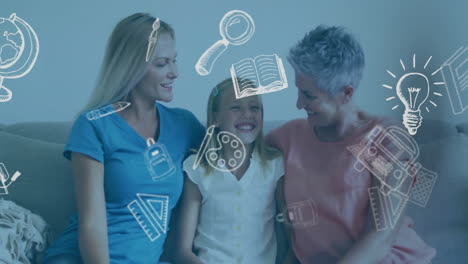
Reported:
(236, 220)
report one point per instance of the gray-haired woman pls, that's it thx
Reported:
(320, 173)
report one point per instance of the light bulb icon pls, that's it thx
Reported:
(413, 91)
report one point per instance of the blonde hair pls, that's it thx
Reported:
(124, 64)
(265, 152)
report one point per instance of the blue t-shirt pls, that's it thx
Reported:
(138, 204)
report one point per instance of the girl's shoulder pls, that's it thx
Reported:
(273, 166)
(194, 171)
(188, 162)
(276, 159)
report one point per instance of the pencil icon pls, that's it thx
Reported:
(107, 110)
(203, 146)
(153, 38)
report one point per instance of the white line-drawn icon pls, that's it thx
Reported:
(455, 74)
(422, 189)
(19, 48)
(151, 213)
(158, 161)
(5, 180)
(263, 74)
(391, 155)
(231, 34)
(153, 38)
(386, 209)
(228, 142)
(413, 90)
(299, 215)
(107, 110)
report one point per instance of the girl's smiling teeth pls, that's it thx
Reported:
(245, 126)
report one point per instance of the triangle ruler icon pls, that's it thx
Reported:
(157, 206)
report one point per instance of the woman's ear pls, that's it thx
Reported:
(348, 92)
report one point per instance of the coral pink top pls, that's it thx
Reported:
(322, 174)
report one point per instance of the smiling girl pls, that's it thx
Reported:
(228, 217)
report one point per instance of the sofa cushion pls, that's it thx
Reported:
(56, 132)
(446, 207)
(45, 186)
(463, 128)
(433, 130)
(450, 244)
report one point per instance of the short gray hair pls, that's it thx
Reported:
(331, 56)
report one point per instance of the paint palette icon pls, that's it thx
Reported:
(227, 141)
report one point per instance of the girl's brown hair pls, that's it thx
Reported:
(265, 152)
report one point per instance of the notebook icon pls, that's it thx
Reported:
(263, 74)
(455, 74)
(151, 213)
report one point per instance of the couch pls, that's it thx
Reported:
(46, 184)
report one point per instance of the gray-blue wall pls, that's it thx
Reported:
(73, 35)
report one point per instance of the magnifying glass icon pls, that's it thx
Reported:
(230, 33)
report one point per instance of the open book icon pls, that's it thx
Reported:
(263, 74)
(455, 74)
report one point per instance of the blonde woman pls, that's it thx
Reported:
(228, 217)
(108, 153)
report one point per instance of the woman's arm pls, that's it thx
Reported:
(187, 224)
(374, 245)
(285, 252)
(89, 190)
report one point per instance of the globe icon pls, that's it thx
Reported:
(19, 48)
(11, 42)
